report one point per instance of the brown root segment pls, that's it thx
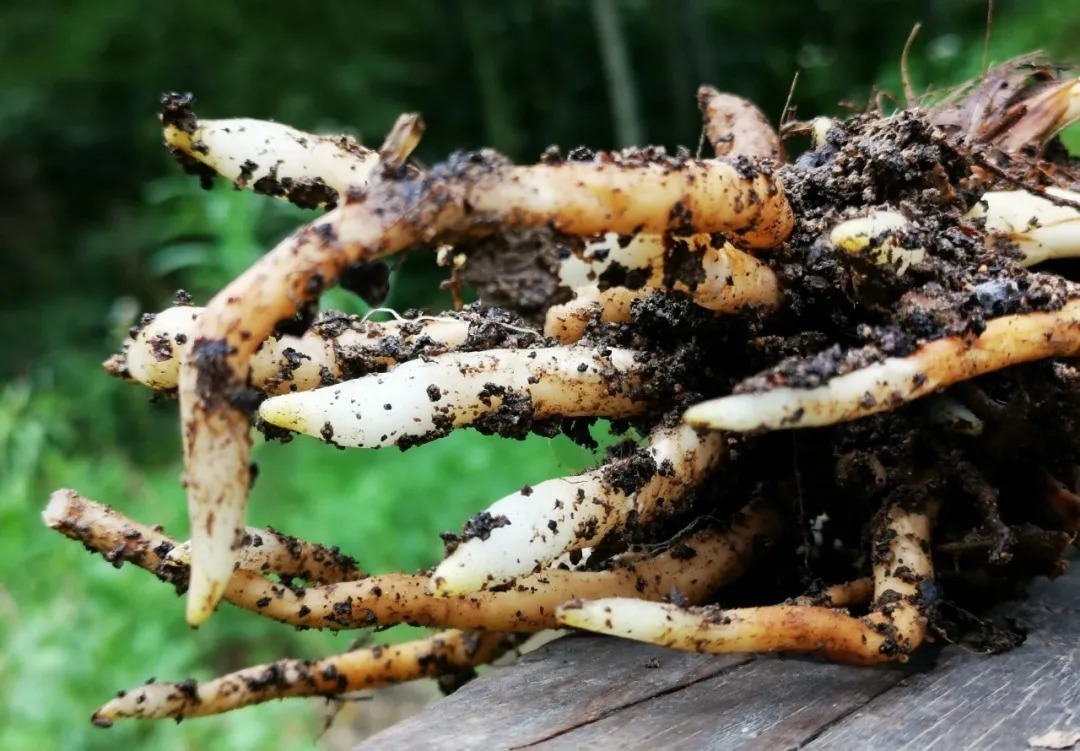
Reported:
(737, 127)
(445, 653)
(895, 627)
(469, 195)
(694, 566)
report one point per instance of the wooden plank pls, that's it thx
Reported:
(768, 703)
(594, 692)
(972, 701)
(564, 684)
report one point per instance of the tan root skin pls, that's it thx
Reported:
(573, 197)
(717, 559)
(1006, 341)
(894, 629)
(737, 127)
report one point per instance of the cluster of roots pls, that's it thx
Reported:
(842, 387)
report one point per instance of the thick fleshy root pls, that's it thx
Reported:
(886, 385)
(892, 631)
(695, 566)
(326, 353)
(737, 127)
(268, 157)
(1041, 228)
(445, 653)
(425, 399)
(726, 280)
(468, 196)
(526, 531)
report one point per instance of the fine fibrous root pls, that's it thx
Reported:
(895, 627)
(468, 195)
(887, 384)
(527, 530)
(425, 399)
(444, 653)
(694, 565)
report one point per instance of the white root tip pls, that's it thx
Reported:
(421, 398)
(624, 617)
(847, 397)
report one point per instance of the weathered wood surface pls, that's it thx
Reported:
(592, 692)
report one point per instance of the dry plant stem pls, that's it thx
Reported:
(1006, 341)
(426, 398)
(894, 629)
(736, 127)
(441, 654)
(467, 196)
(281, 364)
(694, 566)
(540, 523)
(731, 280)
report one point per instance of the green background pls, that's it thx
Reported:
(98, 225)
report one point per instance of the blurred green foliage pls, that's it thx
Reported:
(98, 225)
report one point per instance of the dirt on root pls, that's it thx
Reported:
(1006, 493)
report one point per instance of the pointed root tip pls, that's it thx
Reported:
(441, 586)
(100, 720)
(726, 413)
(284, 412)
(207, 587)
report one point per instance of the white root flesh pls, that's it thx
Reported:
(1041, 229)
(894, 629)
(281, 364)
(536, 525)
(731, 280)
(433, 395)
(1006, 341)
(399, 211)
(246, 151)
